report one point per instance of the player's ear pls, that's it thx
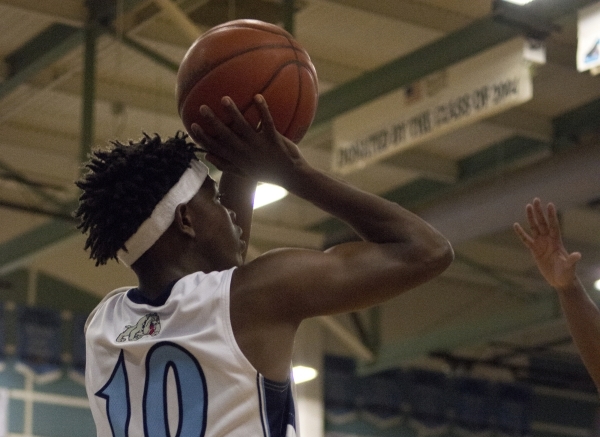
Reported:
(183, 220)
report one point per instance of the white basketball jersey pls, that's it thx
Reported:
(173, 368)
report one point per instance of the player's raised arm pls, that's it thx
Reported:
(237, 194)
(558, 267)
(399, 250)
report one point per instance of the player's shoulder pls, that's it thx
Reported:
(276, 268)
(281, 255)
(109, 297)
(295, 256)
(209, 279)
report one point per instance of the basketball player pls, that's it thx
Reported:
(558, 267)
(203, 345)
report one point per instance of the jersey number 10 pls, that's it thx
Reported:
(191, 393)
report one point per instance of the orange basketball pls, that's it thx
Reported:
(240, 59)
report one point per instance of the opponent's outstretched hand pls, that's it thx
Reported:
(544, 241)
(256, 153)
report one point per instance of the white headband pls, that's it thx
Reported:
(163, 214)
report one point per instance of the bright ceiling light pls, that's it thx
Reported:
(268, 193)
(303, 374)
(519, 2)
(597, 284)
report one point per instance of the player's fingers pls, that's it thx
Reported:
(267, 124)
(524, 236)
(224, 142)
(573, 258)
(238, 123)
(533, 224)
(540, 216)
(194, 136)
(220, 163)
(209, 143)
(211, 119)
(553, 225)
(200, 137)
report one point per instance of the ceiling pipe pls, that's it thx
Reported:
(180, 19)
(288, 16)
(567, 179)
(88, 104)
(352, 342)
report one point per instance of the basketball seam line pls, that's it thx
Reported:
(193, 80)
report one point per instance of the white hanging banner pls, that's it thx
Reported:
(480, 86)
(588, 37)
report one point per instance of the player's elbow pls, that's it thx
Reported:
(421, 262)
(446, 256)
(437, 257)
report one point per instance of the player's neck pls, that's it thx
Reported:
(152, 284)
(157, 271)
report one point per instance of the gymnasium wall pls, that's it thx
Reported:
(416, 402)
(42, 392)
(42, 357)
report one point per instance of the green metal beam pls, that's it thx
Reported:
(478, 36)
(89, 89)
(16, 252)
(20, 178)
(38, 53)
(474, 38)
(505, 285)
(578, 121)
(41, 51)
(471, 332)
(48, 47)
(149, 53)
(485, 163)
(64, 215)
(288, 16)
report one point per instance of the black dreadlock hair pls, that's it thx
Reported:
(124, 184)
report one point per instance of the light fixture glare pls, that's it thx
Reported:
(303, 374)
(519, 2)
(597, 284)
(268, 193)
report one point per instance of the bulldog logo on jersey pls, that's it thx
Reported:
(147, 325)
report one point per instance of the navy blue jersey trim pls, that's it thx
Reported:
(136, 296)
(261, 405)
(278, 409)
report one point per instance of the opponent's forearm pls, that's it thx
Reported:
(583, 320)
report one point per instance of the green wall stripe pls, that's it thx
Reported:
(57, 294)
(14, 286)
(498, 156)
(29, 243)
(61, 421)
(579, 120)
(476, 37)
(44, 49)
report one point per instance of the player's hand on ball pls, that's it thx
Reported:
(259, 153)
